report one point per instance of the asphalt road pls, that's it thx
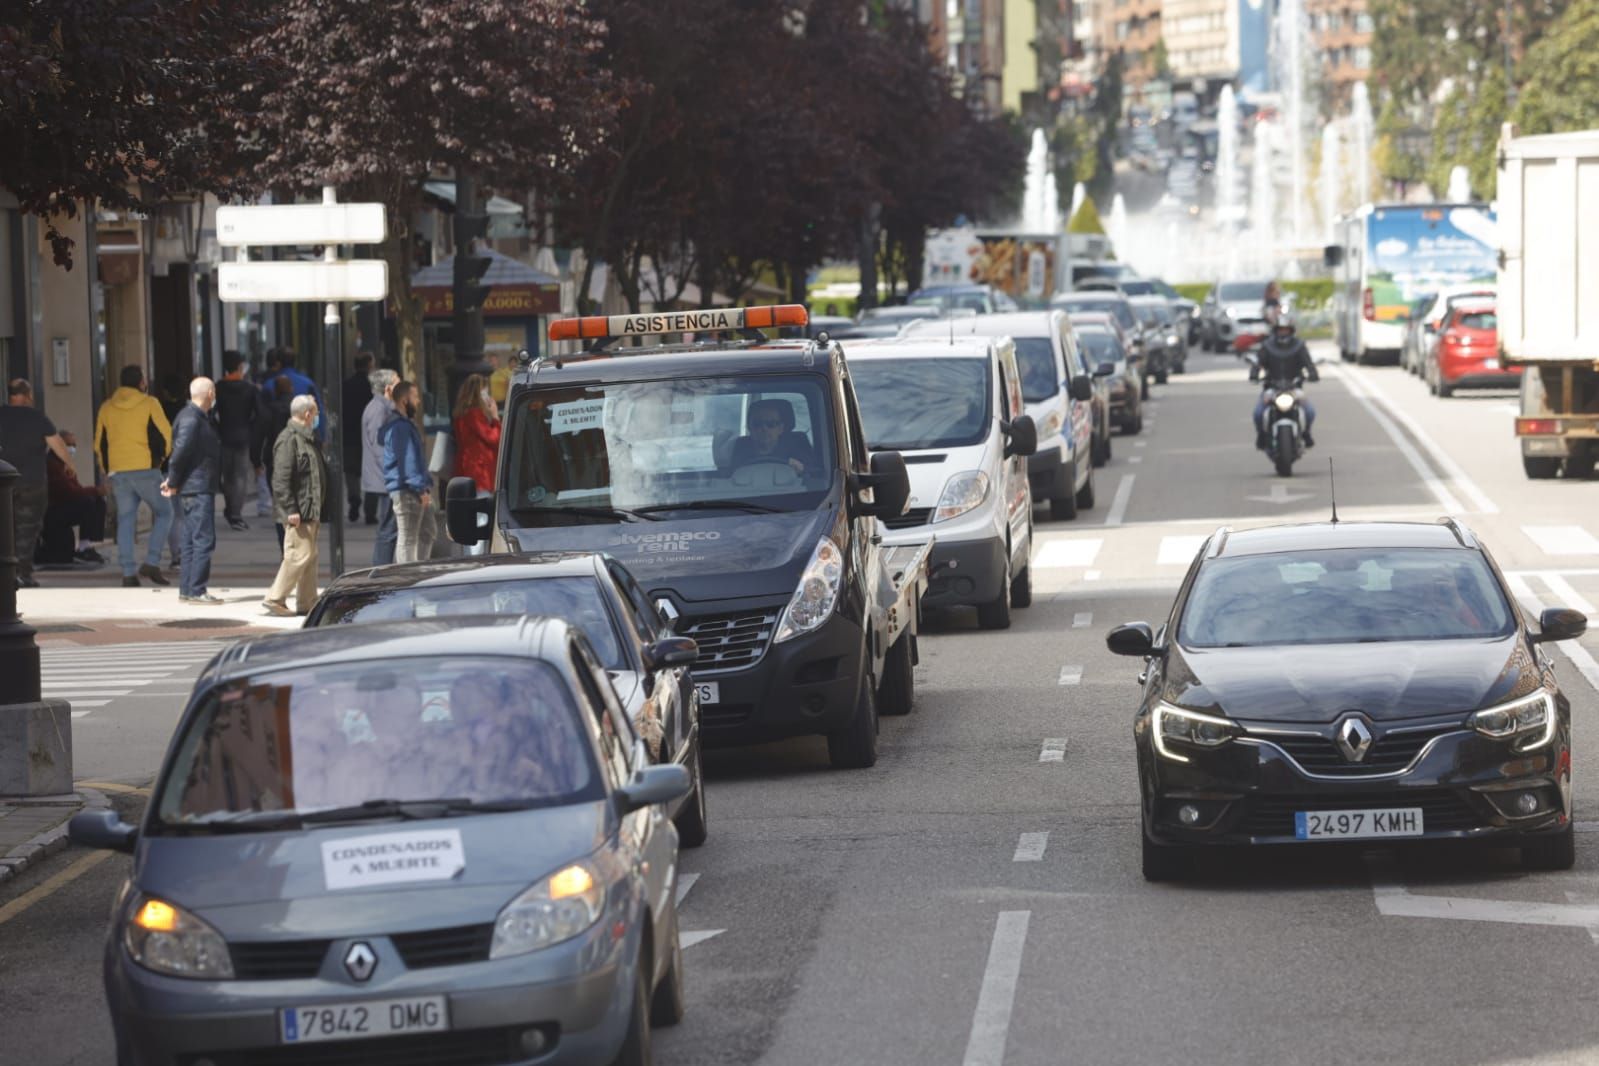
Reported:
(974, 901)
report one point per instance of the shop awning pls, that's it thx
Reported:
(516, 290)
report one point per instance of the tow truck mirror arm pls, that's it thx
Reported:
(463, 504)
(890, 485)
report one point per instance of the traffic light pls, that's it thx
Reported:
(471, 264)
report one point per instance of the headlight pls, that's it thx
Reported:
(1173, 340)
(558, 908)
(1284, 402)
(962, 492)
(1229, 312)
(817, 594)
(1531, 718)
(1050, 425)
(164, 937)
(1189, 727)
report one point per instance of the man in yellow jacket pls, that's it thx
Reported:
(131, 439)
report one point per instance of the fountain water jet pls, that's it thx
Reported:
(1331, 177)
(1226, 177)
(1459, 185)
(1363, 125)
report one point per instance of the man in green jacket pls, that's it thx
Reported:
(301, 503)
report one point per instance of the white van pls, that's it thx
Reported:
(953, 408)
(1059, 395)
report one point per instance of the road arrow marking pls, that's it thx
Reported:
(700, 936)
(1054, 750)
(1280, 494)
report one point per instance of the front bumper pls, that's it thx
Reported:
(805, 686)
(965, 573)
(577, 993)
(1249, 790)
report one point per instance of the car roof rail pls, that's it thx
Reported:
(1466, 538)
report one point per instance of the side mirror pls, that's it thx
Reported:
(890, 485)
(1081, 389)
(102, 829)
(1134, 638)
(1105, 370)
(1332, 255)
(462, 506)
(1559, 623)
(652, 785)
(1024, 434)
(671, 651)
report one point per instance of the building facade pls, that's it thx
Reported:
(1340, 32)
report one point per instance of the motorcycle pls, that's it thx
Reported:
(1284, 422)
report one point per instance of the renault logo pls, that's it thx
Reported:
(360, 962)
(1354, 738)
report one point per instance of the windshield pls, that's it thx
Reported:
(576, 599)
(1100, 348)
(1477, 320)
(1153, 314)
(1138, 288)
(1240, 291)
(605, 453)
(1344, 596)
(907, 404)
(1040, 372)
(299, 740)
(1118, 309)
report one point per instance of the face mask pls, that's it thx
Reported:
(316, 423)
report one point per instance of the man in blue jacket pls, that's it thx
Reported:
(405, 475)
(192, 475)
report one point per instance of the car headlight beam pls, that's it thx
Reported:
(1177, 724)
(167, 939)
(1529, 721)
(556, 909)
(817, 594)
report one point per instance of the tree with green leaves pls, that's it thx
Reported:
(1562, 87)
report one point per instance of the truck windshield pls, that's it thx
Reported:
(908, 404)
(639, 449)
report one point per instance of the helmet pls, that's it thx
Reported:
(1285, 323)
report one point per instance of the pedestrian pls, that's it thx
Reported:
(302, 385)
(192, 475)
(171, 394)
(405, 473)
(75, 520)
(378, 411)
(356, 392)
(26, 436)
(131, 439)
(477, 431)
(277, 417)
(241, 425)
(301, 501)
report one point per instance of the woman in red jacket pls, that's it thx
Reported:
(477, 432)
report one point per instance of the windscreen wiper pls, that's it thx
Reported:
(711, 505)
(595, 512)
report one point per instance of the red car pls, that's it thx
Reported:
(1467, 352)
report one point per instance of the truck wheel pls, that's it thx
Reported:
(1160, 377)
(898, 691)
(1285, 451)
(690, 822)
(1021, 588)
(855, 746)
(1100, 450)
(1064, 508)
(995, 614)
(1085, 495)
(1539, 467)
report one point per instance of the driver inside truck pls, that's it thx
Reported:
(771, 438)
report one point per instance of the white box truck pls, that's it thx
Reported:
(1548, 303)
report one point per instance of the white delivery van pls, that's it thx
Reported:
(953, 408)
(1059, 398)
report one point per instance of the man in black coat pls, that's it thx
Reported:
(357, 393)
(192, 476)
(241, 418)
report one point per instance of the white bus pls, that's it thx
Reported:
(1389, 255)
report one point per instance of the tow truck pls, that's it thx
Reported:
(730, 474)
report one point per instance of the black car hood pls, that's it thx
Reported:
(717, 556)
(1316, 684)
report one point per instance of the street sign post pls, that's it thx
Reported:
(328, 280)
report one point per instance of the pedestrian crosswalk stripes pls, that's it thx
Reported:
(94, 676)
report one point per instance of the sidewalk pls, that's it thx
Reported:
(35, 827)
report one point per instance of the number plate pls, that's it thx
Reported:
(360, 1021)
(1355, 825)
(709, 691)
(1490, 364)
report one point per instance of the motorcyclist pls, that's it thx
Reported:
(1282, 362)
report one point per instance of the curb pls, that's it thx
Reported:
(42, 845)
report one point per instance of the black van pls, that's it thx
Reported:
(732, 478)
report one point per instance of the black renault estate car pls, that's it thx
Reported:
(1350, 681)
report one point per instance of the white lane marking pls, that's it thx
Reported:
(1054, 750)
(85, 670)
(1394, 900)
(90, 682)
(991, 1020)
(1140, 444)
(1562, 540)
(1179, 551)
(1579, 656)
(698, 936)
(1059, 554)
(1587, 827)
(1136, 459)
(1118, 503)
(1579, 899)
(1091, 575)
(684, 883)
(1030, 848)
(88, 703)
(1071, 675)
(1561, 589)
(1435, 484)
(1082, 620)
(1440, 457)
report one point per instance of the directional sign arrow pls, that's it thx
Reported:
(1280, 494)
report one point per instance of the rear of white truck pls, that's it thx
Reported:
(1548, 263)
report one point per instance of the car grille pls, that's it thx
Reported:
(444, 947)
(916, 516)
(277, 960)
(468, 1047)
(732, 641)
(1389, 753)
(1441, 809)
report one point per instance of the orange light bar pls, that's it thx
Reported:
(596, 327)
